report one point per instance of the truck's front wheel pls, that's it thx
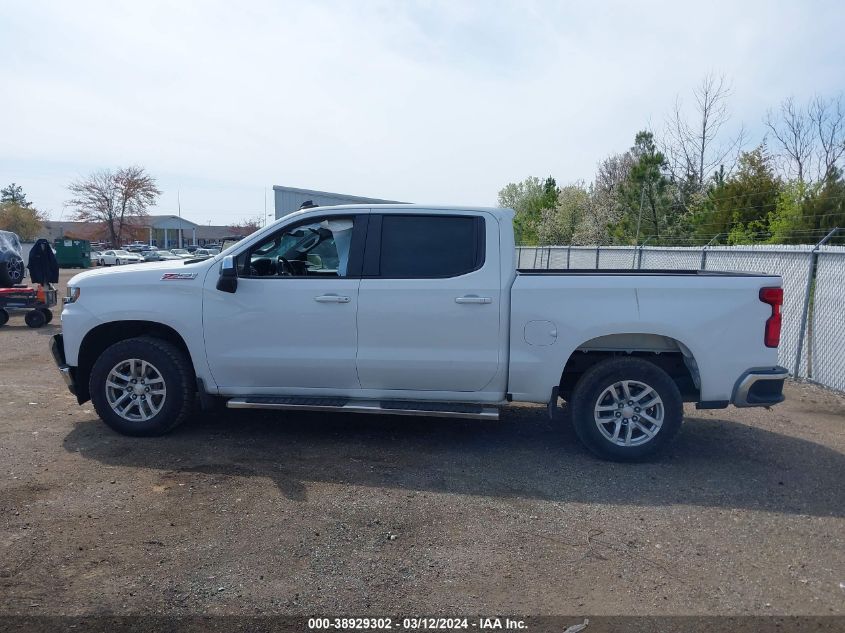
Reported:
(142, 386)
(626, 409)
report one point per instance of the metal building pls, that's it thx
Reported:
(289, 199)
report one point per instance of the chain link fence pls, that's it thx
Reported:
(812, 344)
(826, 348)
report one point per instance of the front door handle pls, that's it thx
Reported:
(331, 299)
(473, 299)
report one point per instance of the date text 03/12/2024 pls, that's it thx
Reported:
(417, 623)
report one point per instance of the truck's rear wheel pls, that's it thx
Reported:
(626, 409)
(142, 386)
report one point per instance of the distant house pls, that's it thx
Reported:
(171, 231)
(52, 230)
(164, 231)
(290, 199)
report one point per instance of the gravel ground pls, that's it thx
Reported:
(249, 513)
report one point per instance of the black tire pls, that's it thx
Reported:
(175, 369)
(16, 270)
(35, 318)
(596, 382)
(12, 272)
(101, 262)
(4, 317)
(48, 315)
(117, 262)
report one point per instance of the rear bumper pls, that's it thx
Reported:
(760, 387)
(57, 348)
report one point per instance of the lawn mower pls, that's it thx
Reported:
(36, 301)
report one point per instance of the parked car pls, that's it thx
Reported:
(181, 252)
(230, 240)
(414, 310)
(160, 256)
(12, 267)
(119, 257)
(202, 252)
(95, 257)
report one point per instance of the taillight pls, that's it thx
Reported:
(774, 297)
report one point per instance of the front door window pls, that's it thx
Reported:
(319, 248)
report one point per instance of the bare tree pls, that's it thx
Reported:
(793, 130)
(247, 226)
(696, 148)
(828, 119)
(115, 198)
(811, 139)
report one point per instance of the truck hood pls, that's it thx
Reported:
(142, 272)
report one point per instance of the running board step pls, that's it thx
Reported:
(347, 405)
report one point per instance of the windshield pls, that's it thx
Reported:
(121, 253)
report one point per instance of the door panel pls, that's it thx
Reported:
(282, 333)
(290, 324)
(437, 334)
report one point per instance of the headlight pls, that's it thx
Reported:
(72, 294)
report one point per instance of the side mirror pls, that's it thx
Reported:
(228, 281)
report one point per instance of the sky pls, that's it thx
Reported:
(431, 102)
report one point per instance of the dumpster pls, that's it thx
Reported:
(71, 253)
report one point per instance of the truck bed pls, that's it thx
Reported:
(715, 318)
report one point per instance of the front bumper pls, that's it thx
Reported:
(760, 387)
(57, 348)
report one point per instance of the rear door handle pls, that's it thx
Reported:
(331, 299)
(473, 299)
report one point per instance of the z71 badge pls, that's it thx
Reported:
(172, 276)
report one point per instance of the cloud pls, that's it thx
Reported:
(429, 101)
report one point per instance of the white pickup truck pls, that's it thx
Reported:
(417, 310)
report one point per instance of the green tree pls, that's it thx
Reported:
(742, 205)
(14, 193)
(825, 209)
(528, 199)
(23, 220)
(559, 224)
(646, 195)
(787, 222)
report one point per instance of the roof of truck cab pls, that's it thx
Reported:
(499, 212)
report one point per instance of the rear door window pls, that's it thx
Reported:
(430, 246)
